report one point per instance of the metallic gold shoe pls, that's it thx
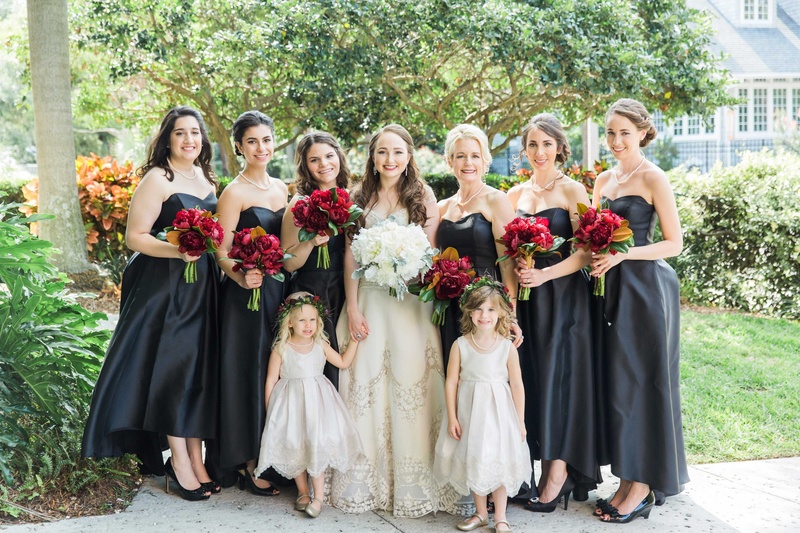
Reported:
(502, 530)
(310, 511)
(469, 524)
(302, 506)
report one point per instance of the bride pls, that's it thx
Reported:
(395, 387)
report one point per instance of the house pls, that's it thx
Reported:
(761, 39)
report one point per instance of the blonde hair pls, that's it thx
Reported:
(467, 131)
(284, 330)
(634, 111)
(475, 299)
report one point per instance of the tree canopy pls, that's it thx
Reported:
(349, 67)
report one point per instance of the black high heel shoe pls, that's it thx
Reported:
(246, 480)
(211, 486)
(643, 510)
(194, 495)
(603, 506)
(540, 507)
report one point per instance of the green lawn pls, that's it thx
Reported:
(740, 386)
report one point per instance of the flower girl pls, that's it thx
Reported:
(483, 449)
(308, 428)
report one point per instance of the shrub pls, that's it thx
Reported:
(104, 190)
(742, 234)
(11, 190)
(50, 354)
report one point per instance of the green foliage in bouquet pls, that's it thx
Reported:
(741, 230)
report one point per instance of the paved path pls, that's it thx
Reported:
(754, 496)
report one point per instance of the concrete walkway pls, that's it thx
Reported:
(754, 496)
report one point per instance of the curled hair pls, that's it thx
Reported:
(248, 119)
(305, 183)
(468, 131)
(634, 111)
(283, 333)
(475, 299)
(551, 126)
(411, 189)
(158, 150)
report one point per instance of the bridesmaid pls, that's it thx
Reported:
(556, 360)
(252, 199)
(472, 219)
(159, 375)
(642, 324)
(321, 164)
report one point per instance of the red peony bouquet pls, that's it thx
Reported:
(324, 213)
(255, 248)
(195, 232)
(529, 238)
(602, 232)
(446, 280)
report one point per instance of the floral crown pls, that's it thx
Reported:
(308, 299)
(485, 281)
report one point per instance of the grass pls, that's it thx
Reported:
(740, 386)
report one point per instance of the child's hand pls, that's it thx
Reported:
(454, 428)
(524, 431)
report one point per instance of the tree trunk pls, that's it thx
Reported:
(48, 35)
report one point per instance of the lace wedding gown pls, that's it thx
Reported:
(395, 392)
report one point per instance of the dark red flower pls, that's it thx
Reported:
(452, 286)
(192, 243)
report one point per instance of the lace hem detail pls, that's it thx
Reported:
(291, 461)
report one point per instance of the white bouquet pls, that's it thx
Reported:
(391, 254)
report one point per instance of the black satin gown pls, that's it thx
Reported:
(471, 236)
(328, 284)
(642, 429)
(245, 344)
(556, 360)
(160, 373)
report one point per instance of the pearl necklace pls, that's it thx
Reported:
(550, 184)
(194, 171)
(465, 202)
(300, 345)
(481, 347)
(629, 174)
(256, 185)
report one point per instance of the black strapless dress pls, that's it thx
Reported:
(245, 344)
(328, 284)
(641, 355)
(557, 366)
(159, 376)
(472, 236)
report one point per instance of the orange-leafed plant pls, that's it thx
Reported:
(104, 189)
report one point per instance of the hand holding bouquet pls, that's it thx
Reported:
(529, 238)
(602, 232)
(195, 232)
(255, 248)
(391, 254)
(446, 280)
(324, 213)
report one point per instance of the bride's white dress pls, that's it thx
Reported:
(395, 392)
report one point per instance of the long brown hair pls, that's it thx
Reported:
(158, 149)
(305, 182)
(410, 188)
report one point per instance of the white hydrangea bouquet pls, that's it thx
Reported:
(392, 254)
